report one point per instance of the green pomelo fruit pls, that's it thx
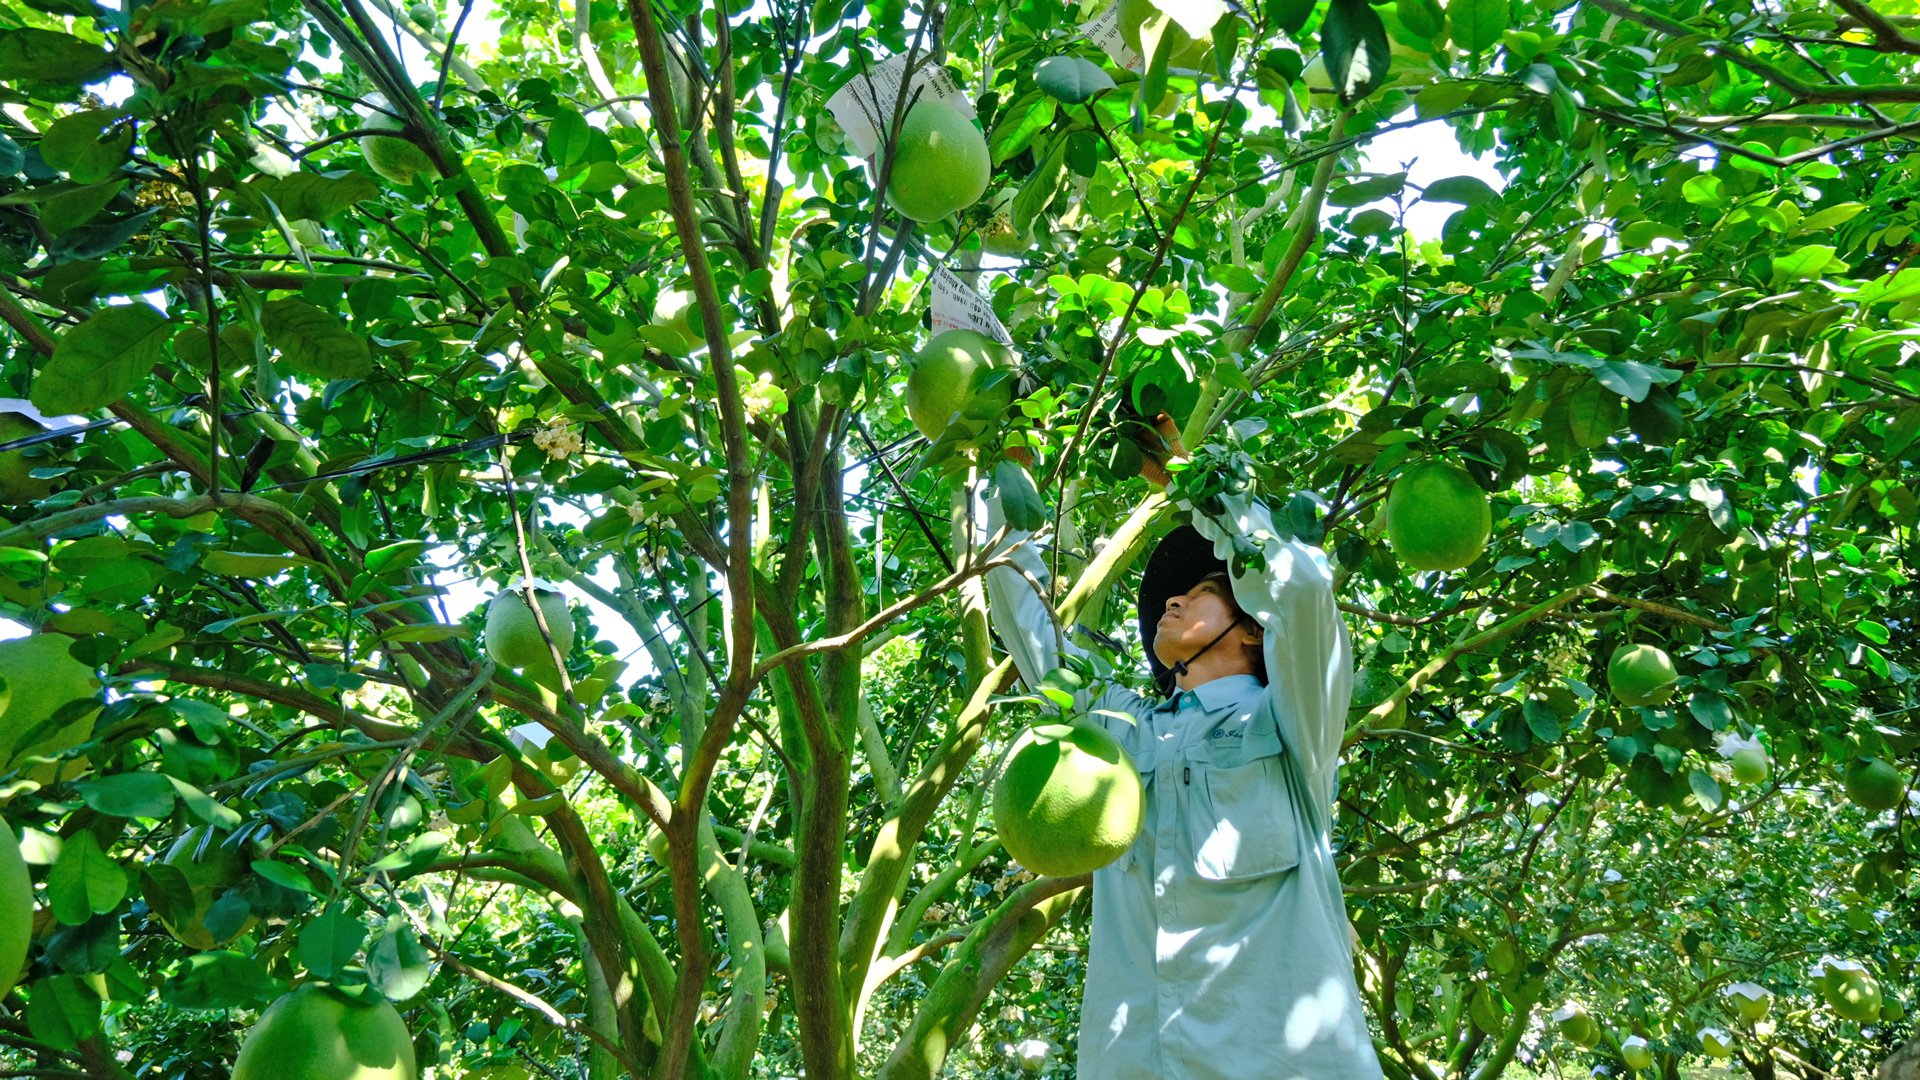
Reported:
(1891, 1010)
(423, 13)
(16, 486)
(217, 868)
(1856, 997)
(16, 910)
(41, 677)
(1068, 801)
(316, 1033)
(1752, 1009)
(1641, 675)
(394, 157)
(1578, 1027)
(940, 163)
(1750, 765)
(1188, 52)
(1371, 686)
(1437, 517)
(1716, 1045)
(1316, 76)
(1636, 1055)
(1874, 784)
(945, 374)
(513, 635)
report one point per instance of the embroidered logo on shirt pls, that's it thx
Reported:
(1223, 733)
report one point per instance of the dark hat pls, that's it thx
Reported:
(1182, 558)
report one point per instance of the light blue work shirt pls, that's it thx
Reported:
(1220, 947)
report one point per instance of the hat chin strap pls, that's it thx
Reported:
(1180, 668)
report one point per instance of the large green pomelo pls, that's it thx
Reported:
(1437, 517)
(16, 910)
(1856, 996)
(1641, 675)
(513, 635)
(1717, 1044)
(315, 1033)
(1188, 51)
(1371, 686)
(943, 377)
(41, 677)
(16, 486)
(219, 867)
(1874, 784)
(940, 163)
(394, 157)
(1636, 1054)
(1068, 801)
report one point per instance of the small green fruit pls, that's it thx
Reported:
(423, 13)
(16, 485)
(1635, 1052)
(394, 157)
(1577, 1024)
(1750, 765)
(1750, 1000)
(1641, 675)
(1874, 784)
(940, 163)
(1716, 1043)
(513, 635)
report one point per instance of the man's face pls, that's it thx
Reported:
(1193, 619)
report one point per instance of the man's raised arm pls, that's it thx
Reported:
(1309, 656)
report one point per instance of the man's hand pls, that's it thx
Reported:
(1154, 469)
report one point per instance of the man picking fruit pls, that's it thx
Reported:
(1220, 945)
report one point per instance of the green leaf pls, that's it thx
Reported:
(1804, 264)
(147, 795)
(1875, 632)
(1018, 123)
(285, 875)
(316, 197)
(1706, 789)
(1354, 40)
(1465, 190)
(422, 850)
(101, 360)
(251, 564)
(315, 342)
(1019, 499)
(84, 881)
(568, 136)
(1541, 720)
(28, 55)
(1071, 79)
(88, 146)
(1423, 17)
(393, 556)
(329, 943)
(75, 207)
(1288, 16)
(220, 980)
(1477, 24)
(1039, 187)
(63, 1012)
(1594, 413)
(398, 964)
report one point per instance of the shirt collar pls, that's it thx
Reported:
(1214, 694)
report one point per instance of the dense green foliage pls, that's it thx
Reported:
(624, 309)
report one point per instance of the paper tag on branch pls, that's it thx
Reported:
(864, 106)
(955, 306)
(1196, 17)
(1104, 30)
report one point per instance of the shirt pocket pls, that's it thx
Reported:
(1240, 820)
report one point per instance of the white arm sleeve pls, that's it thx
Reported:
(1309, 657)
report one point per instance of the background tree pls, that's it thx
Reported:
(337, 318)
